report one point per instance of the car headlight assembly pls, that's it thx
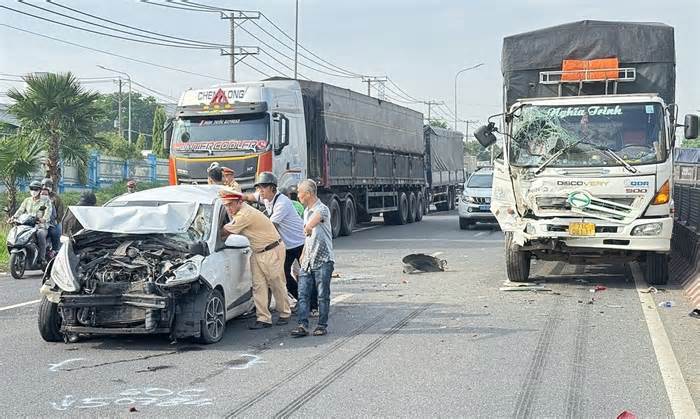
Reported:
(468, 199)
(651, 229)
(184, 274)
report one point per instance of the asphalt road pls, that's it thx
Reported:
(422, 345)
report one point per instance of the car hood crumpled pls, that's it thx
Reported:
(173, 218)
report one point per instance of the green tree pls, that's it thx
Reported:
(438, 123)
(141, 142)
(142, 110)
(694, 143)
(159, 119)
(19, 157)
(57, 112)
(116, 146)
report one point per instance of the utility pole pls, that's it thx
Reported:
(380, 80)
(430, 103)
(128, 77)
(119, 109)
(238, 51)
(296, 39)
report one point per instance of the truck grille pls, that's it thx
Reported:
(560, 203)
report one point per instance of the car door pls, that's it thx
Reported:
(228, 267)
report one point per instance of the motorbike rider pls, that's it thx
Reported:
(87, 199)
(42, 209)
(59, 210)
(131, 186)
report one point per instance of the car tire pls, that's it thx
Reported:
(213, 318)
(657, 268)
(336, 217)
(420, 207)
(465, 223)
(517, 261)
(347, 222)
(49, 321)
(411, 218)
(18, 263)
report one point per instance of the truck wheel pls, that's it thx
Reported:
(348, 217)
(17, 265)
(213, 318)
(412, 209)
(403, 209)
(657, 268)
(420, 206)
(517, 261)
(336, 217)
(451, 199)
(49, 321)
(464, 223)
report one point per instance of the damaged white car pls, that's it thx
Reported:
(151, 262)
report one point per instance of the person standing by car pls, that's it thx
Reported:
(215, 174)
(40, 208)
(267, 260)
(317, 260)
(230, 179)
(59, 211)
(285, 218)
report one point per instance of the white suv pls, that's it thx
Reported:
(475, 202)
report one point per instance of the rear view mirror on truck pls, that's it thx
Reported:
(691, 127)
(282, 123)
(484, 135)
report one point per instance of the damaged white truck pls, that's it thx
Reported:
(588, 128)
(151, 262)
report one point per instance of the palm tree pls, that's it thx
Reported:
(19, 157)
(57, 112)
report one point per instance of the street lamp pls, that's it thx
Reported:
(457, 75)
(128, 77)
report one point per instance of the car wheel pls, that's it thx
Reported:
(49, 321)
(419, 207)
(465, 223)
(213, 320)
(657, 268)
(411, 208)
(517, 261)
(348, 217)
(17, 265)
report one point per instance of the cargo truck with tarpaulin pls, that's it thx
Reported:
(366, 154)
(589, 128)
(444, 155)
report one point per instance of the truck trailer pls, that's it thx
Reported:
(590, 121)
(366, 155)
(444, 155)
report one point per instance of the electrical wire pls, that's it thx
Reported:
(115, 54)
(283, 64)
(268, 66)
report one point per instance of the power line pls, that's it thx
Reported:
(98, 32)
(171, 6)
(114, 54)
(406, 95)
(268, 66)
(283, 64)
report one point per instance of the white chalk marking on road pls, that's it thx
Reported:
(682, 403)
(438, 240)
(365, 229)
(479, 234)
(19, 305)
(55, 367)
(340, 297)
(252, 360)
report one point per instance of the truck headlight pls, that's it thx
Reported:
(530, 229)
(651, 229)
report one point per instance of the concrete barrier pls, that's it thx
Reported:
(685, 261)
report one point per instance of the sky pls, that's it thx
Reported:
(418, 45)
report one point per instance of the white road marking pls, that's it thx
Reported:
(479, 234)
(438, 240)
(682, 403)
(19, 305)
(365, 229)
(55, 367)
(340, 297)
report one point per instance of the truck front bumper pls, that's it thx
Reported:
(607, 236)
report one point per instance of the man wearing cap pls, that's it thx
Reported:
(285, 218)
(130, 186)
(230, 179)
(267, 260)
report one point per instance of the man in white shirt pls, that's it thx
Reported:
(285, 218)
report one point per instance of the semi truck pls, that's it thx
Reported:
(444, 155)
(589, 127)
(367, 156)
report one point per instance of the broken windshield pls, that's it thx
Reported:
(239, 134)
(588, 134)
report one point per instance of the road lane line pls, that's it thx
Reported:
(365, 229)
(682, 403)
(438, 240)
(479, 234)
(19, 305)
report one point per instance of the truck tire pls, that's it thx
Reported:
(451, 199)
(336, 217)
(657, 268)
(420, 207)
(403, 209)
(347, 222)
(49, 321)
(213, 318)
(517, 261)
(412, 208)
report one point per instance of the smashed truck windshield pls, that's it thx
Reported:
(590, 135)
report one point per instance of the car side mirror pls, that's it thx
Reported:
(185, 137)
(484, 135)
(691, 127)
(236, 241)
(167, 134)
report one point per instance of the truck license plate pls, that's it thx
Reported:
(581, 229)
(484, 207)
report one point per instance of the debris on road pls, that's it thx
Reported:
(695, 313)
(133, 409)
(613, 306)
(335, 275)
(626, 415)
(423, 263)
(667, 304)
(650, 290)
(523, 286)
(582, 281)
(600, 288)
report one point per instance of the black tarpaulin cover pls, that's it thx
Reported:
(648, 47)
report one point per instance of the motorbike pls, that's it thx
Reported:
(23, 247)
